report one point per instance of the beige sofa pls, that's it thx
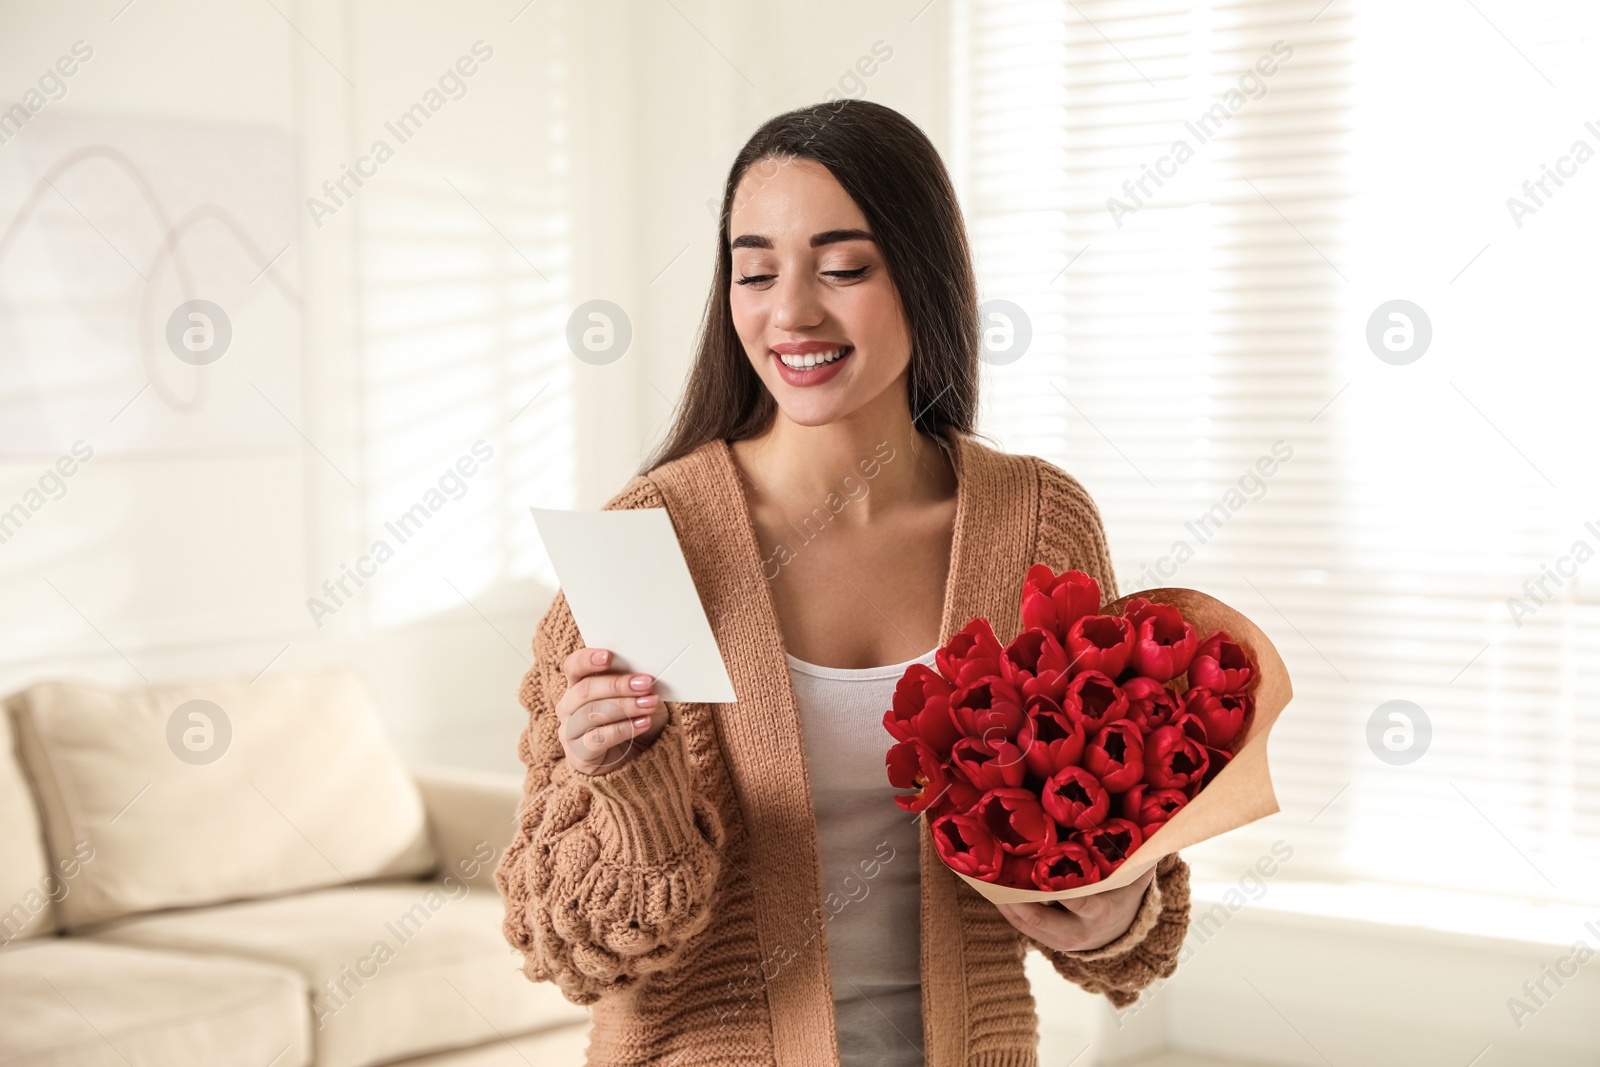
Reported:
(231, 873)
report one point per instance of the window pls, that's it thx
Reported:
(1198, 209)
(469, 401)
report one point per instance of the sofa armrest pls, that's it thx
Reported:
(471, 819)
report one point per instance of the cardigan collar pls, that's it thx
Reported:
(760, 733)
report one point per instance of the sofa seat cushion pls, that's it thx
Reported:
(394, 969)
(73, 1002)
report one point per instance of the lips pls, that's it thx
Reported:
(808, 376)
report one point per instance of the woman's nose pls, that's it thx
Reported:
(795, 304)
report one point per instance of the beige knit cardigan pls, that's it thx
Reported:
(680, 895)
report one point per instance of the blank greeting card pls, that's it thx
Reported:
(630, 591)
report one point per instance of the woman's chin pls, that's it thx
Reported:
(809, 413)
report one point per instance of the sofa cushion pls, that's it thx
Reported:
(71, 1002)
(394, 969)
(28, 883)
(212, 791)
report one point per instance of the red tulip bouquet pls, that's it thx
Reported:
(1098, 741)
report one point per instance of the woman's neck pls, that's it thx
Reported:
(878, 463)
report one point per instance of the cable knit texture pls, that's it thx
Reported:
(680, 895)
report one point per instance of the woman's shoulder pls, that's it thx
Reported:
(640, 492)
(1061, 489)
(1060, 492)
(643, 490)
(1072, 534)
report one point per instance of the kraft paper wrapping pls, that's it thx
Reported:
(1240, 793)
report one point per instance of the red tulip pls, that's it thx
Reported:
(1110, 843)
(1150, 704)
(1064, 865)
(1096, 700)
(1015, 818)
(989, 707)
(1052, 684)
(964, 844)
(1075, 798)
(1034, 662)
(971, 654)
(1050, 739)
(1015, 871)
(1192, 726)
(1101, 643)
(1033, 650)
(1135, 608)
(1172, 758)
(913, 764)
(1222, 716)
(1116, 755)
(1144, 806)
(922, 710)
(1165, 644)
(1055, 601)
(985, 764)
(957, 799)
(1222, 665)
(1217, 758)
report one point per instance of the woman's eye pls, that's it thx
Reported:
(848, 275)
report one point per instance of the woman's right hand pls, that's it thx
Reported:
(607, 717)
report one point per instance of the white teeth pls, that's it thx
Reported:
(813, 359)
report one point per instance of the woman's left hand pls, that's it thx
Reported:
(1087, 923)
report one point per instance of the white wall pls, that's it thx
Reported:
(431, 310)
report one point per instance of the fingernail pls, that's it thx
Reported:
(599, 656)
(641, 722)
(640, 681)
(649, 701)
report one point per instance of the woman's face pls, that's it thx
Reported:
(809, 280)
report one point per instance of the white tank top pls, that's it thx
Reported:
(868, 851)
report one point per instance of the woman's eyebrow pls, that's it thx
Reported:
(826, 237)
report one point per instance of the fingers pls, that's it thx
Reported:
(589, 681)
(1043, 921)
(605, 711)
(600, 724)
(1079, 922)
(1097, 905)
(640, 731)
(612, 686)
(585, 661)
(589, 670)
(1089, 908)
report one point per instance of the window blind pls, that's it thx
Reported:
(1197, 208)
(466, 279)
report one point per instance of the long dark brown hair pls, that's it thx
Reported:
(894, 174)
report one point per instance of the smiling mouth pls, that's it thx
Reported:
(815, 359)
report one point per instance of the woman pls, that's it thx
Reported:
(730, 883)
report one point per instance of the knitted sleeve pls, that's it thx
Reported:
(1072, 536)
(607, 877)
